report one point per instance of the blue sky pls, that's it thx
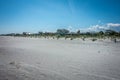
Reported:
(48, 15)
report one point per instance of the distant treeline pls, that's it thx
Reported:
(67, 34)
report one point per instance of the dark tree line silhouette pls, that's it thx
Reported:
(67, 34)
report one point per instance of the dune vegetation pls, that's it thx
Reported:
(64, 33)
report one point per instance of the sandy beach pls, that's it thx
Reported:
(51, 59)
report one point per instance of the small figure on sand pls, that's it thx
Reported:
(115, 40)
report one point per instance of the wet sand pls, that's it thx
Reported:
(52, 59)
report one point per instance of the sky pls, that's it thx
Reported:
(17, 16)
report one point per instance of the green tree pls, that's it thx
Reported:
(110, 32)
(101, 33)
(78, 32)
(62, 31)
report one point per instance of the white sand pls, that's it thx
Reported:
(48, 59)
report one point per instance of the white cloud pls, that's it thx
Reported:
(70, 28)
(113, 24)
(97, 28)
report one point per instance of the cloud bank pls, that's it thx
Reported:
(112, 26)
